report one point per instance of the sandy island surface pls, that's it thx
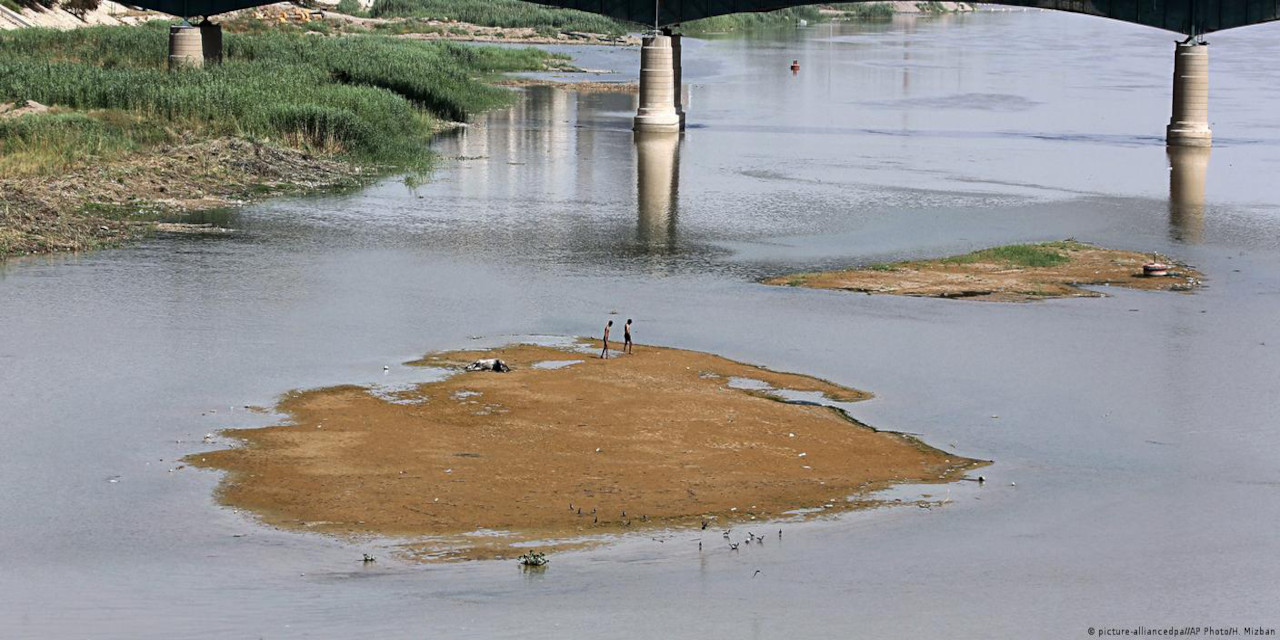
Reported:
(470, 465)
(1013, 273)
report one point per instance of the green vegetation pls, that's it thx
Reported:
(286, 112)
(533, 559)
(43, 144)
(1047, 254)
(866, 11)
(350, 7)
(371, 98)
(750, 21)
(79, 8)
(76, 7)
(499, 13)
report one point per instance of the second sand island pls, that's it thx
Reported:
(1012, 273)
(565, 445)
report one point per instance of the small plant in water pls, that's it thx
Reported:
(533, 559)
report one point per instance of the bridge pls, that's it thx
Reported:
(661, 109)
(1188, 17)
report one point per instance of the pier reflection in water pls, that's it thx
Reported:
(1187, 168)
(657, 189)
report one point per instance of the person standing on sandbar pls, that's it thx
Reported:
(604, 353)
(626, 337)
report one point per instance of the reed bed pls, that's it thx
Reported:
(371, 97)
(499, 13)
(867, 11)
(749, 21)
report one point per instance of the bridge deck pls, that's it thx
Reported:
(1181, 16)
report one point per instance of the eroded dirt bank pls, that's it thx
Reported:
(101, 204)
(654, 439)
(1014, 273)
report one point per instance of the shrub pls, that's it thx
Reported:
(349, 7)
(79, 8)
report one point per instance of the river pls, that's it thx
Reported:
(1134, 438)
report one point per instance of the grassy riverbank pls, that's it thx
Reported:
(500, 13)
(370, 102)
(549, 21)
(749, 21)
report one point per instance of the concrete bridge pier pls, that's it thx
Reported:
(194, 46)
(677, 73)
(658, 97)
(185, 47)
(211, 39)
(1189, 126)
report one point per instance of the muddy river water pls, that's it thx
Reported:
(1135, 437)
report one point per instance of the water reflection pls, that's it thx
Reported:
(657, 190)
(1187, 168)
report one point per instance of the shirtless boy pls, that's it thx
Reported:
(604, 353)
